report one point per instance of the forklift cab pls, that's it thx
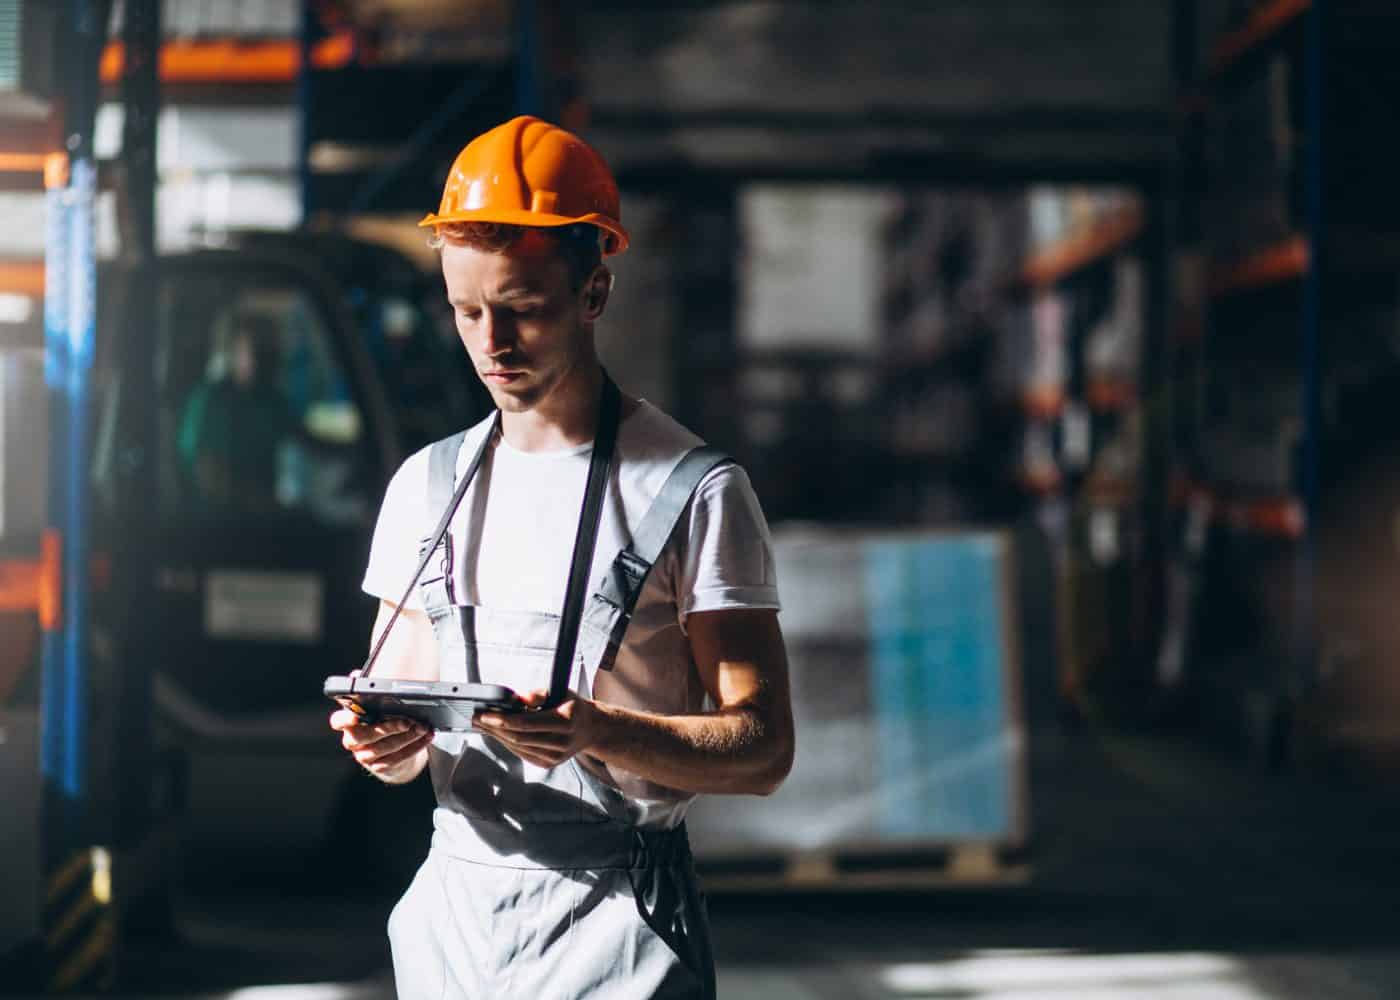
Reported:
(285, 398)
(274, 437)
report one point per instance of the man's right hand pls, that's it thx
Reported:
(393, 750)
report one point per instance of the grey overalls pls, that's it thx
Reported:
(536, 886)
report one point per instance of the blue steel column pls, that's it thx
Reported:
(69, 321)
(79, 923)
(82, 335)
(54, 685)
(70, 330)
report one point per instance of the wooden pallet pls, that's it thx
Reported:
(966, 865)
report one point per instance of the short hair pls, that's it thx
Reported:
(577, 244)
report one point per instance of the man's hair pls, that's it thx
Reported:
(577, 244)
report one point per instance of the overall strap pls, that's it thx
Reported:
(622, 584)
(439, 535)
(435, 586)
(442, 468)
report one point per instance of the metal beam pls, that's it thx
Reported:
(133, 547)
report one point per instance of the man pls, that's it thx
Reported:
(232, 428)
(559, 865)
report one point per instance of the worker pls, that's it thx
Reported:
(232, 426)
(559, 864)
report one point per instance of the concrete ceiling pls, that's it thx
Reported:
(835, 85)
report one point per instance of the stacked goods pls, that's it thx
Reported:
(906, 690)
(1113, 343)
(947, 254)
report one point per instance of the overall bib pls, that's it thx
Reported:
(536, 884)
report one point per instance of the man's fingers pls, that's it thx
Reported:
(543, 722)
(385, 745)
(343, 718)
(550, 737)
(541, 742)
(402, 754)
(359, 737)
(545, 751)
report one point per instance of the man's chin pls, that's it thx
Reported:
(515, 397)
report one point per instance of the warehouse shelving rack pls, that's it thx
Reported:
(1102, 598)
(1255, 527)
(1259, 309)
(1115, 232)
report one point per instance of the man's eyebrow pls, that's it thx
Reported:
(504, 295)
(519, 292)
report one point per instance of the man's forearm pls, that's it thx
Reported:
(734, 751)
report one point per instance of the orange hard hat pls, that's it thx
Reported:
(528, 172)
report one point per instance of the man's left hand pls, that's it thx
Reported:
(544, 738)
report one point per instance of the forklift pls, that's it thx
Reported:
(193, 447)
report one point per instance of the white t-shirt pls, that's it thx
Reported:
(513, 540)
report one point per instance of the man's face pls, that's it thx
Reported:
(244, 360)
(523, 326)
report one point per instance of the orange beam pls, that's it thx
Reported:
(28, 135)
(1110, 492)
(22, 163)
(48, 590)
(1286, 261)
(1271, 518)
(22, 277)
(1100, 240)
(1041, 482)
(1276, 517)
(233, 61)
(19, 584)
(36, 584)
(1265, 22)
(1106, 395)
(1043, 402)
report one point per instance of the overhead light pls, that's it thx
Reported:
(343, 157)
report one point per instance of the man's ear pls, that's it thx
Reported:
(595, 293)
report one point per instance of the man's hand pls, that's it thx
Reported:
(393, 750)
(545, 739)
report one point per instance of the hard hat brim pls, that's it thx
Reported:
(616, 241)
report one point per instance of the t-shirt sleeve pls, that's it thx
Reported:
(393, 554)
(727, 557)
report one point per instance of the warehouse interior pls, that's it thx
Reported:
(1059, 340)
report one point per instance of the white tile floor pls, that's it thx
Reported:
(1041, 975)
(1008, 975)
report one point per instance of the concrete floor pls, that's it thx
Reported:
(1159, 873)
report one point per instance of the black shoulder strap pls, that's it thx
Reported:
(585, 541)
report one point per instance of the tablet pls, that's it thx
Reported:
(444, 706)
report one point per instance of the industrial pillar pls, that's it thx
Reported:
(78, 920)
(142, 868)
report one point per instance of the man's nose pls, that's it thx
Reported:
(497, 332)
